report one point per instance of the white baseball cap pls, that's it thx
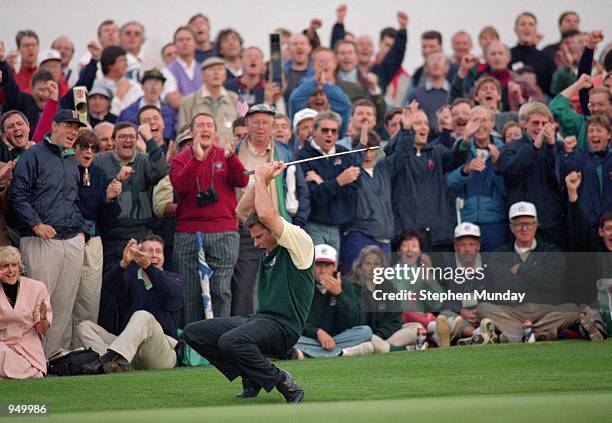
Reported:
(325, 254)
(302, 115)
(467, 229)
(522, 208)
(48, 54)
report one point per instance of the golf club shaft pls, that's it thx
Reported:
(251, 172)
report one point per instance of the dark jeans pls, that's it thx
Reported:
(238, 346)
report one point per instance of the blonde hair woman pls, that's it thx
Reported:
(25, 316)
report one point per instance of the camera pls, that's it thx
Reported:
(209, 196)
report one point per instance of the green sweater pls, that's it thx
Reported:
(383, 317)
(284, 291)
(135, 199)
(333, 313)
(570, 122)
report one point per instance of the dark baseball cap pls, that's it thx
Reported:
(67, 115)
(153, 74)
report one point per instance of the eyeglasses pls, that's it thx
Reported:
(329, 130)
(93, 148)
(124, 137)
(524, 225)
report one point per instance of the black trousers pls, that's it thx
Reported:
(238, 346)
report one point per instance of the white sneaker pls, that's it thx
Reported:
(422, 347)
(487, 329)
(297, 354)
(361, 349)
(380, 345)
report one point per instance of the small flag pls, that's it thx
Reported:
(205, 274)
(242, 107)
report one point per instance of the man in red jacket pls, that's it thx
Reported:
(205, 177)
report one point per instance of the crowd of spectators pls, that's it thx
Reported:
(124, 195)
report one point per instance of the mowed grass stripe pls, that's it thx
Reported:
(555, 408)
(569, 366)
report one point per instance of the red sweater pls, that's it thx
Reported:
(228, 175)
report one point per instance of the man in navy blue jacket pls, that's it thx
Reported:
(332, 183)
(44, 195)
(530, 167)
(151, 301)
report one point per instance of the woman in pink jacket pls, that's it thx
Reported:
(25, 316)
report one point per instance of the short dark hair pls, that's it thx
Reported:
(432, 35)
(10, 113)
(391, 114)
(196, 16)
(202, 114)
(122, 125)
(565, 14)
(601, 121)
(238, 122)
(87, 136)
(460, 100)
(155, 238)
(252, 220)
(607, 216)
(388, 32)
(25, 33)
(411, 234)
(373, 139)
(148, 107)
(224, 33)
(343, 42)
(361, 103)
(41, 75)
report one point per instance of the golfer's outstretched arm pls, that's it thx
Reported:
(263, 203)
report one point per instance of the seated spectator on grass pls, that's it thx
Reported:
(383, 317)
(467, 256)
(531, 266)
(21, 348)
(144, 171)
(151, 301)
(334, 318)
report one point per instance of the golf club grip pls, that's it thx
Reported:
(249, 172)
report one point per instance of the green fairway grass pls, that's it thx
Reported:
(561, 381)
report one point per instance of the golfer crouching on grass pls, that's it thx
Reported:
(238, 346)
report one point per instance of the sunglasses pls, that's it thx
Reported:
(93, 148)
(329, 130)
